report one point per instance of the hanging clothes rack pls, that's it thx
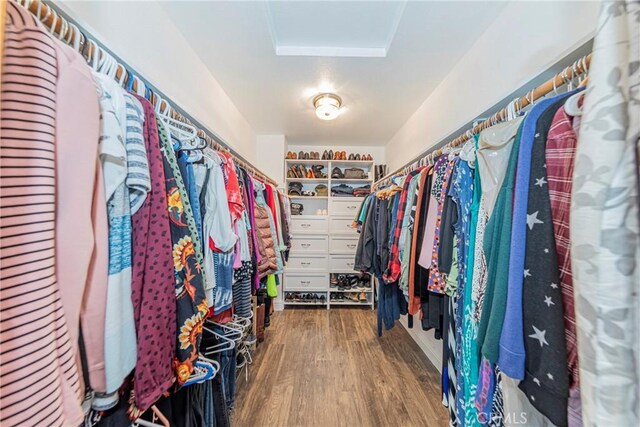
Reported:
(69, 31)
(566, 76)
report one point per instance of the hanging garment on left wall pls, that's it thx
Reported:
(110, 269)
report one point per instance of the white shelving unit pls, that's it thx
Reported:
(322, 245)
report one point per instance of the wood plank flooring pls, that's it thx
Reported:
(322, 367)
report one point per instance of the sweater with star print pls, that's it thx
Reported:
(546, 381)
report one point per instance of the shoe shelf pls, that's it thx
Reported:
(324, 245)
(305, 303)
(308, 179)
(308, 197)
(307, 161)
(360, 303)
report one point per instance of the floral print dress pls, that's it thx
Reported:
(191, 303)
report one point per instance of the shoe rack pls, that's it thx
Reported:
(322, 245)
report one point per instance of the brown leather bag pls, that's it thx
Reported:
(259, 318)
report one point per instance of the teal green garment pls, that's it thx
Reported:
(497, 247)
(365, 207)
(470, 353)
(406, 234)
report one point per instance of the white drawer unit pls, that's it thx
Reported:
(341, 263)
(346, 207)
(306, 282)
(342, 226)
(309, 244)
(301, 263)
(309, 226)
(343, 245)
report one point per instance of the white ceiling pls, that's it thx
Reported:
(382, 58)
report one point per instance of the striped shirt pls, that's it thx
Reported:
(138, 179)
(39, 378)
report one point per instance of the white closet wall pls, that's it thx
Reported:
(167, 61)
(526, 39)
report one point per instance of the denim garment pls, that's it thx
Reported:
(208, 411)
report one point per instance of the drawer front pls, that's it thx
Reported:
(342, 263)
(346, 207)
(306, 244)
(309, 226)
(307, 263)
(342, 226)
(306, 282)
(343, 245)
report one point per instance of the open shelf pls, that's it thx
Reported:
(363, 180)
(368, 291)
(308, 197)
(319, 162)
(308, 179)
(343, 163)
(304, 303)
(362, 303)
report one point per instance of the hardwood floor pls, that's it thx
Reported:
(322, 367)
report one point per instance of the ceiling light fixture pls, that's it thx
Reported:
(327, 106)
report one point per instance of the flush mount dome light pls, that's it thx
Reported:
(327, 106)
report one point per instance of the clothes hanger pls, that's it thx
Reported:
(203, 371)
(224, 344)
(156, 414)
(572, 105)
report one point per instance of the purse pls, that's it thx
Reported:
(354, 173)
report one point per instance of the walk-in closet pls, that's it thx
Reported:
(228, 213)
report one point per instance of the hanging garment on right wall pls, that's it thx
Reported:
(604, 223)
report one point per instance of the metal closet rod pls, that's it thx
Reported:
(65, 29)
(579, 67)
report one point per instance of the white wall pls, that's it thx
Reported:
(270, 154)
(526, 39)
(143, 35)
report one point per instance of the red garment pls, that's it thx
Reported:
(152, 278)
(271, 202)
(232, 187)
(223, 317)
(560, 156)
(393, 270)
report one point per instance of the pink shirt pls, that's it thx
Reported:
(82, 257)
(40, 380)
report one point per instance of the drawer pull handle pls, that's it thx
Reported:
(352, 207)
(348, 225)
(305, 282)
(305, 264)
(306, 245)
(305, 225)
(351, 245)
(350, 264)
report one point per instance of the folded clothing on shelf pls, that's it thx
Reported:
(295, 188)
(297, 208)
(342, 190)
(363, 191)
